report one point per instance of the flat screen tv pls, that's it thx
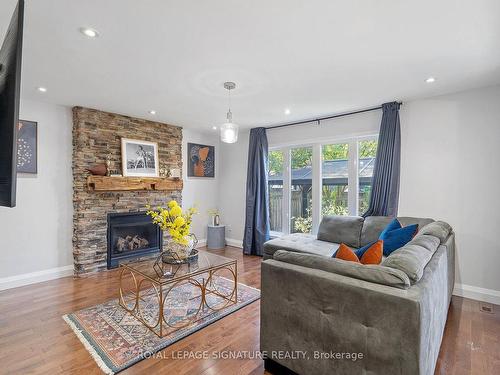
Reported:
(10, 86)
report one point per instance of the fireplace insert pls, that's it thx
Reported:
(131, 235)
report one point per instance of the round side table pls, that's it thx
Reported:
(216, 236)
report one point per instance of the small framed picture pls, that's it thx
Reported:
(201, 160)
(139, 158)
(27, 139)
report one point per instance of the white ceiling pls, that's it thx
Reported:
(316, 57)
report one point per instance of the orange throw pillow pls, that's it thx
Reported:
(374, 254)
(345, 253)
(371, 256)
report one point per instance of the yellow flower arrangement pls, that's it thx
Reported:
(173, 220)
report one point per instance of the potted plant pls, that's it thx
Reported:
(178, 224)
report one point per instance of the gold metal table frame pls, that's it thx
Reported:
(144, 282)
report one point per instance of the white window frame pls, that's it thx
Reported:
(353, 177)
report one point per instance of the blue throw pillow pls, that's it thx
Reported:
(395, 224)
(394, 236)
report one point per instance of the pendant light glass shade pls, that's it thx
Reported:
(229, 130)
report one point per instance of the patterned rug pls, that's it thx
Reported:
(116, 339)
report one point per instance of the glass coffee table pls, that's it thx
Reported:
(167, 297)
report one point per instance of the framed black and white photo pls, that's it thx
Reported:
(27, 135)
(139, 158)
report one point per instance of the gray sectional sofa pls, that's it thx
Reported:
(321, 315)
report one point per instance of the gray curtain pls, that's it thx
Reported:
(385, 184)
(257, 198)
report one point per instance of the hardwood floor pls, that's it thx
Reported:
(35, 339)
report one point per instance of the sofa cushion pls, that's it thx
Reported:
(302, 243)
(438, 229)
(428, 242)
(372, 227)
(341, 229)
(413, 257)
(372, 273)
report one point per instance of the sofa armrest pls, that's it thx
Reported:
(306, 309)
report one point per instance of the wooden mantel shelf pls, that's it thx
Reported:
(104, 183)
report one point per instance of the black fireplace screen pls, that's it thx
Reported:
(131, 235)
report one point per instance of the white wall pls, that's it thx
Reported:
(232, 184)
(200, 192)
(450, 163)
(450, 171)
(36, 234)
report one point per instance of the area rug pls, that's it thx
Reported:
(116, 339)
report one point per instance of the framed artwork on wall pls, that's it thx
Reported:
(27, 147)
(139, 158)
(201, 160)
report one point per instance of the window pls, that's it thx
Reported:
(307, 182)
(301, 190)
(367, 154)
(334, 179)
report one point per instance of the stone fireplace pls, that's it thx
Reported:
(131, 235)
(97, 135)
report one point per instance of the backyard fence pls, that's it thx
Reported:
(276, 208)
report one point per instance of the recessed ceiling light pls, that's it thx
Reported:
(91, 33)
(42, 89)
(430, 80)
(287, 111)
(214, 127)
(152, 112)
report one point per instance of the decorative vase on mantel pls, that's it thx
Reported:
(98, 170)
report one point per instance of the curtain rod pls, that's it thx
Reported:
(319, 119)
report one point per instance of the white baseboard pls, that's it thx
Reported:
(477, 293)
(35, 277)
(235, 243)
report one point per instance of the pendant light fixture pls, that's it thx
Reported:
(229, 130)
